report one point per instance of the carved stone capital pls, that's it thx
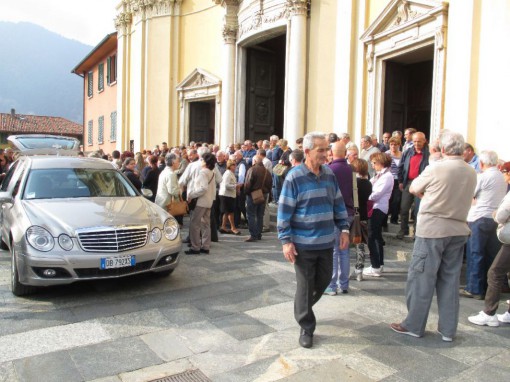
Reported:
(122, 21)
(298, 7)
(230, 33)
(440, 42)
(369, 57)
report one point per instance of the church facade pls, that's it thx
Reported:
(228, 70)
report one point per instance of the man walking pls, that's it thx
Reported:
(446, 190)
(311, 206)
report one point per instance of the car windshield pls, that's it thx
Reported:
(76, 183)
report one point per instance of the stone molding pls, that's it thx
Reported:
(402, 27)
(197, 86)
(139, 10)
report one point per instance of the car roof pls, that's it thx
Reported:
(32, 144)
(49, 162)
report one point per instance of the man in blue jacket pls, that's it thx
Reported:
(310, 207)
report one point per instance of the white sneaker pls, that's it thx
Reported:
(505, 317)
(374, 272)
(484, 319)
(445, 338)
(382, 268)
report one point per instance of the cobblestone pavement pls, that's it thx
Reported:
(230, 315)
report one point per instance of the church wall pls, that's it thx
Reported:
(492, 122)
(158, 82)
(201, 38)
(321, 67)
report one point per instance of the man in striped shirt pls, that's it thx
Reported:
(309, 208)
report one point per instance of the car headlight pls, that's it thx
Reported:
(156, 235)
(65, 242)
(171, 228)
(40, 239)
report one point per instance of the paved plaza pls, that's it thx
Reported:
(229, 316)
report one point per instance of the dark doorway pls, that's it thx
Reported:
(201, 121)
(408, 92)
(265, 87)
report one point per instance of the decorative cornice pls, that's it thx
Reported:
(259, 19)
(405, 13)
(298, 7)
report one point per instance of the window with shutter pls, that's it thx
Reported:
(100, 130)
(111, 69)
(90, 84)
(100, 79)
(113, 131)
(89, 133)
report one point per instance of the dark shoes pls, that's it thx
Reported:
(251, 239)
(465, 293)
(400, 235)
(401, 330)
(192, 252)
(206, 251)
(306, 339)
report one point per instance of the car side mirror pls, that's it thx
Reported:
(146, 192)
(6, 197)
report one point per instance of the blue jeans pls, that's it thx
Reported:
(277, 187)
(482, 247)
(255, 216)
(341, 265)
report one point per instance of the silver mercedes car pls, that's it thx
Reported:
(66, 218)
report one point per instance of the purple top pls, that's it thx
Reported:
(343, 174)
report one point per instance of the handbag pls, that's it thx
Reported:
(504, 233)
(257, 195)
(355, 232)
(279, 169)
(177, 207)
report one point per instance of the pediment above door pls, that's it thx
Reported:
(400, 15)
(199, 78)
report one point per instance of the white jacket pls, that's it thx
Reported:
(228, 184)
(204, 188)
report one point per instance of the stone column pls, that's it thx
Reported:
(230, 27)
(295, 103)
(123, 25)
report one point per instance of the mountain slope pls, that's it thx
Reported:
(35, 72)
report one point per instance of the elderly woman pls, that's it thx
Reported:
(204, 190)
(382, 185)
(497, 274)
(227, 195)
(168, 185)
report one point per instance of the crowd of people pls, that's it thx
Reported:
(443, 195)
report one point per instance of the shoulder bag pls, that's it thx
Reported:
(177, 207)
(258, 195)
(279, 169)
(355, 234)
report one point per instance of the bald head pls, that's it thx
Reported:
(338, 149)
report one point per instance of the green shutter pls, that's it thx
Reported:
(108, 70)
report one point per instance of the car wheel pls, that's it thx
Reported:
(17, 288)
(164, 273)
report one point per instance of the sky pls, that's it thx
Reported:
(87, 21)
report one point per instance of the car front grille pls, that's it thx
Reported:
(112, 239)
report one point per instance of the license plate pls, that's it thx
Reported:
(117, 262)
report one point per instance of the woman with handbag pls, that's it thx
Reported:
(281, 168)
(227, 195)
(497, 274)
(364, 189)
(168, 191)
(204, 190)
(382, 185)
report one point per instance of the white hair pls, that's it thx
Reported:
(202, 150)
(452, 143)
(489, 158)
(274, 138)
(308, 139)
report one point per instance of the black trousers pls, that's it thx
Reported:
(313, 274)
